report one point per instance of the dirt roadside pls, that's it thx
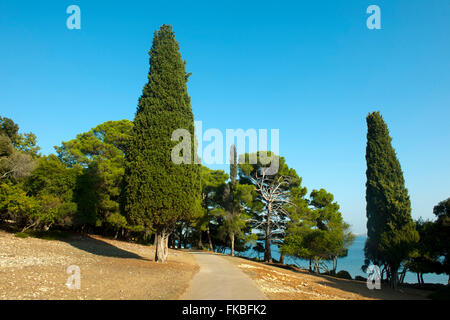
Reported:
(280, 284)
(35, 269)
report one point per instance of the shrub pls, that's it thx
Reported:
(21, 235)
(48, 235)
(344, 275)
(359, 278)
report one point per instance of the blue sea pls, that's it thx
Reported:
(351, 263)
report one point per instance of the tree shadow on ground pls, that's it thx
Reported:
(101, 248)
(354, 286)
(385, 293)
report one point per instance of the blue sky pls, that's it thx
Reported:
(311, 69)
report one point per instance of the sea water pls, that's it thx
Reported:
(351, 263)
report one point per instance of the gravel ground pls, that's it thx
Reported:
(36, 269)
(281, 284)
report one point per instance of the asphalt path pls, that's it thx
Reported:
(218, 279)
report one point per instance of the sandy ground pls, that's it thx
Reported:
(281, 284)
(36, 269)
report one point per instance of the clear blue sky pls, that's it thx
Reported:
(311, 69)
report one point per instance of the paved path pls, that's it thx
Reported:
(218, 279)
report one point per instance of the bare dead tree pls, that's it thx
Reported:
(17, 165)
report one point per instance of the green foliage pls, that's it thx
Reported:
(391, 232)
(425, 256)
(48, 235)
(317, 230)
(212, 182)
(6, 147)
(53, 184)
(442, 235)
(233, 211)
(28, 144)
(52, 177)
(107, 141)
(157, 192)
(27, 211)
(344, 275)
(97, 157)
(9, 129)
(432, 253)
(22, 142)
(276, 193)
(22, 235)
(16, 205)
(14, 164)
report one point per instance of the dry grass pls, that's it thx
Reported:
(284, 284)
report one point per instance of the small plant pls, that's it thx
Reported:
(22, 235)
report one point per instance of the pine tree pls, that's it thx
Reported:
(390, 229)
(157, 192)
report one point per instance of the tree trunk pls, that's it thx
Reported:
(403, 275)
(232, 244)
(310, 264)
(209, 239)
(316, 267)
(282, 258)
(267, 250)
(162, 250)
(418, 278)
(421, 278)
(333, 271)
(394, 278)
(180, 237)
(172, 241)
(200, 243)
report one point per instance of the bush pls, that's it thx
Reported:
(344, 275)
(359, 278)
(21, 235)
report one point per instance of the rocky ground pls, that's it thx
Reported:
(33, 268)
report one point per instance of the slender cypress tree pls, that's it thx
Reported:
(390, 229)
(233, 165)
(158, 192)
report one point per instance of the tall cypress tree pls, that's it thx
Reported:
(390, 228)
(158, 192)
